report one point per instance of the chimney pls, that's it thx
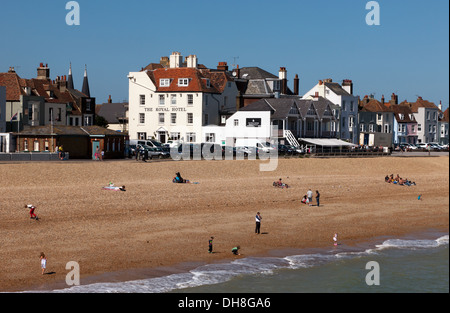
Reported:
(222, 66)
(43, 72)
(296, 85)
(347, 85)
(191, 61)
(63, 84)
(176, 60)
(11, 70)
(109, 99)
(282, 77)
(382, 99)
(394, 99)
(440, 105)
(164, 61)
(237, 72)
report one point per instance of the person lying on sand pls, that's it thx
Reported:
(180, 180)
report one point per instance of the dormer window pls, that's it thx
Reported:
(164, 82)
(402, 117)
(183, 82)
(208, 83)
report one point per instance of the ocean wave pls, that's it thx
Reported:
(221, 272)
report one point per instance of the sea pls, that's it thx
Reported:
(417, 263)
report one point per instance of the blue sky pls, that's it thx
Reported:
(407, 54)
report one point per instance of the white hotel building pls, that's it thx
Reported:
(175, 99)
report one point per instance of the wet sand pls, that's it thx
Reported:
(157, 226)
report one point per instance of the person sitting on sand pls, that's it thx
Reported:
(304, 199)
(180, 180)
(386, 179)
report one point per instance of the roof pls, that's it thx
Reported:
(280, 107)
(337, 89)
(255, 73)
(327, 142)
(56, 130)
(12, 83)
(197, 79)
(420, 103)
(405, 110)
(112, 111)
(374, 106)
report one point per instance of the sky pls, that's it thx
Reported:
(407, 54)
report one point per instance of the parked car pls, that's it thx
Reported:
(435, 146)
(407, 147)
(422, 145)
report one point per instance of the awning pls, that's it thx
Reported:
(327, 142)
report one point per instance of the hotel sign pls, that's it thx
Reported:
(253, 122)
(166, 109)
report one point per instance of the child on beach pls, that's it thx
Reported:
(335, 243)
(235, 250)
(210, 243)
(32, 208)
(43, 259)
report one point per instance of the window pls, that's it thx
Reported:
(208, 83)
(161, 118)
(190, 137)
(350, 122)
(206, 119)
(162, 100)
(142, 99)
(190, 99)
(142, 118)
(88, 120)
(190, 118)
(88, 105)
(419, 127)
(428, 115)
(343, 105)
(379, 116)
(434, 116)
(175, 136)
(413, 128)
(183, 82)
(402, 116)
(236, 122)
(164, 82)
(173, 99)
(210, 137)
(351, 106)
(371, 128)
(173, 118)
(362, 128)
(142, 136)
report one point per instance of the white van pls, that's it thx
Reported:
(254, 143)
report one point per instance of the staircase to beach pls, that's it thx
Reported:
(291, 138)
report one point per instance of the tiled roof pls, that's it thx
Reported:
(12, 83)
(47, 130)
(374, 106)
(197, 79)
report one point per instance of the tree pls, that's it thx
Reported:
(101, 121)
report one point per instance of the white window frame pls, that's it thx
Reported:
(173, 118)
(190, 118)
(190, 99)
(164, 82)
(162, 99)
(183, 82)
(141, 118)
(173, 99)
(190, 137)
(141, 99)
(161, 118)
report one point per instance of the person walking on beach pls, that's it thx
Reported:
(210, 243)
(258, 219)
(317, 197)
(309, 194)
(335, 240)
(43, 260)
(32, 214)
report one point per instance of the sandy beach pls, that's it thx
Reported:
(156, 224)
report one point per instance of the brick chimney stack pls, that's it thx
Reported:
(282, 76)
(296, 85)
(43, 72)
(223, 66)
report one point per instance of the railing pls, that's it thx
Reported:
(291, 138)
(32, 156)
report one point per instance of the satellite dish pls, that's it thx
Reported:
(234, 74)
